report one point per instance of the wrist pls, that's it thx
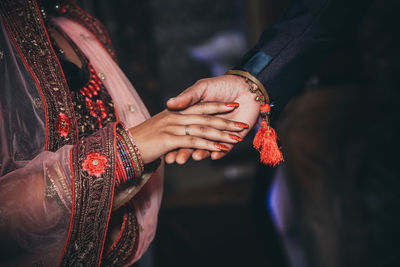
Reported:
(253, 85)
(265, 140)
(241, 89)
(239, 83)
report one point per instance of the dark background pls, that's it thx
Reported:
(214, 213)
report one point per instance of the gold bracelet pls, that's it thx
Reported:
(256, 86)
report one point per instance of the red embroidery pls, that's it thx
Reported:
(95, 164)
(102, 108)
(97, 108)
(63, 124)
(91, 107)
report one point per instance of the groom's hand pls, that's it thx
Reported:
(225, 88)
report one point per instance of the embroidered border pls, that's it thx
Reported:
(23, 20)
(93, 167)
(126, 246)
(74, 12)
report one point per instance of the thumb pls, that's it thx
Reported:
(189, 97)
(179, 102)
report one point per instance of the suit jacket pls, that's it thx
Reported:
(289, 51)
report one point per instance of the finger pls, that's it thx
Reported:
(190, 96)
(170, 157)
(196, 143)
(205, 132)
(200, 154)
(210, 108)
(218, 155)
(210, 121)
(183, 155)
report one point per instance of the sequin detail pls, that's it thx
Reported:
(94, 105)
(63, 125)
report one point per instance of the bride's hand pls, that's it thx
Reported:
(170, 130)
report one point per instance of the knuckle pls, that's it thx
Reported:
(226, 136)
(192, 140)
(208, 118)
(166, 118)
(201, 81)
(226, 124)
(202, 108)
(164, 135)
(172, 117)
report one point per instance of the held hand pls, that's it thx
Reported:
(170, 130)
(225, 88)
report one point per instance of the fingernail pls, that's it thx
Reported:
(171, 99)
(232, 105)
(241, 125)
(221, 147)
(235, 137)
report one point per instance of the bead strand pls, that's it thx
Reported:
(127, 163)
(133, 150)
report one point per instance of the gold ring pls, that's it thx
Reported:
(187, 130)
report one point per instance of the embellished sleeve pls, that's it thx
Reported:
(97, 162)
(125, 246)
(93, 167)
(59, 205)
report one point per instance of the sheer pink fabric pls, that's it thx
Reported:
(30, 215)
(33, 226)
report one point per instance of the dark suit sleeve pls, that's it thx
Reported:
(289, 51)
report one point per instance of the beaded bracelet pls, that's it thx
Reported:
(265, 140)
(130, 166)
(120, 172)
(125, 162)
(129, 140)
(129, 154)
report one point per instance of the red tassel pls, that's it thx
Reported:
(265, 142)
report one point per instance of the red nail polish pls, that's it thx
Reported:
(241, 125)
(232, 105)
(221, 147)
(235, 137)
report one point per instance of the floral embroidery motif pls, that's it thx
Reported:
(95, 164)
(63, 124)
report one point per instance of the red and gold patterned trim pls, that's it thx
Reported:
(25, 25)
(126, 245)
(93, 167)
